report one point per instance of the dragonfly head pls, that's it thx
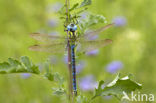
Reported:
(72, 27)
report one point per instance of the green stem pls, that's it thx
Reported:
(67, 11)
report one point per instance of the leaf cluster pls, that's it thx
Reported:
(15, 66)
(117, 87)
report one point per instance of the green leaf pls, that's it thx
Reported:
(25, 60)
(62, 11)
(4, 66)
(86, 3)
(62, 17)
(117, 87)
(58, 91)
(81, 10)
(81, 99)
(74, 7)
(15, 66)
(91, 20)
(49, 76)
(35, 69)
(13, 62)
(59, 79)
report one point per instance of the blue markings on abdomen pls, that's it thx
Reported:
(73, 68)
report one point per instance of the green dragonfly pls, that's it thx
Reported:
(58, 44)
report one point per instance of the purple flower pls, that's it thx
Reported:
(93, 52)
(88, 83)
(25, 75)
(120, 21)
(114, 66)
(83, 15)
(80, 66)
(52, 22)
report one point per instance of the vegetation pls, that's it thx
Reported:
(130, 53)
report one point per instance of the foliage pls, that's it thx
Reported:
(25, 65)
(91, 20)
(22, 66)
(117, 87)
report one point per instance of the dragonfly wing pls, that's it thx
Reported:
(89, 45)
(96, 32)
(46, 37)
(51, 48)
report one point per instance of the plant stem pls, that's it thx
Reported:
(71, 97)
(70, 72)
(67, 11)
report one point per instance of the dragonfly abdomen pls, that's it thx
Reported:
(73, 68)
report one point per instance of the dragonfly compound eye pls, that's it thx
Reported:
(72, 27)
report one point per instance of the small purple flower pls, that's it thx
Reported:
(83, 15)
(88, 83)
(114, 66)
(120, 21)
(92, 53)
(80, 66)
(25, 75)
(52, 22)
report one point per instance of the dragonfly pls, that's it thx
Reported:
(58, 44)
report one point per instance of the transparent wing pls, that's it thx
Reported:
(91, 34)
(86, 46)
(51, 48)
(46, 37)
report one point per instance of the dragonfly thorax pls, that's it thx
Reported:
(72, 27)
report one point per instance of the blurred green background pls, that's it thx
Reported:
(133, 45)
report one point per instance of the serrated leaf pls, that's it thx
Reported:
(4, 66)
(25, 60)
(15, 66)
(85, 3)
(58, 91)
(13, 62)
(91, 20)
(117, 87)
